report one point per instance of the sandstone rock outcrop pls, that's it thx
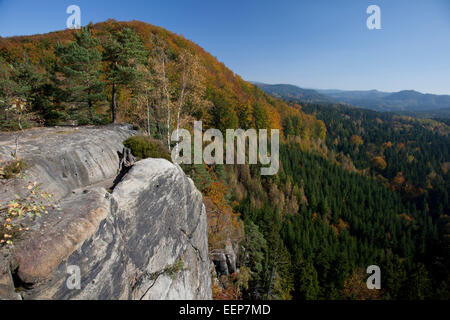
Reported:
(62, 159)
(147, 239)
(225, 260)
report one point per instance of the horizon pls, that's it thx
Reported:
(337, 89)
(319, 46)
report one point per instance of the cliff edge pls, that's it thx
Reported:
(143, 237)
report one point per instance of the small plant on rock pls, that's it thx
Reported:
(12, 169)
(33, 204)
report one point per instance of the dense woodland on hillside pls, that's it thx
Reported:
(355, 187)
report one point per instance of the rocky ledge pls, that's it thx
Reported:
(144, 239)
(62, 159)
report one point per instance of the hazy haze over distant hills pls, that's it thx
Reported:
(291, 92)
(406, 100)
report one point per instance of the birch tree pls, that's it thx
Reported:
(190, 87)
(179, 84)
(159, 63)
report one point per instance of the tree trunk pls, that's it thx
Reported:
(166, 90)
(113, 103)
(168, 125)
(148, 112)
(18, 135)
(180, 105)
(91, 109)
(181, 100)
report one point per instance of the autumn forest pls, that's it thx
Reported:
(355, 187)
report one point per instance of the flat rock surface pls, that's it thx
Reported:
(62, 159)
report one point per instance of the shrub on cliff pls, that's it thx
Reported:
(12, 169)
(143, 147)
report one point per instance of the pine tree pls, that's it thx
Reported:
(124, 52)
(80, 63)
(307, 284)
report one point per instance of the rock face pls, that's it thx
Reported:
(62, 159)
(167, 227)
(225, 260)
(145, 240)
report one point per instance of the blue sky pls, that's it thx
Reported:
(314, 44)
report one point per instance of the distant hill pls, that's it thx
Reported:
(402, 101)
(406, 100)
(291, 92)
(342, 94)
